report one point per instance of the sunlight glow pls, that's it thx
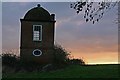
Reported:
(103, 63)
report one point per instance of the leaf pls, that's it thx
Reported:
(102, 13)
(80, 9)
(90, 19)
(79, 2)
(87, 5)
(87, 13)
(86, 20)
(74, 7)
(71, 5)
(84, 3)
(90, 6)
(97, 20)
(88, 9)
(90, 15)
(80, 6)
(84, 16)
(77, 12)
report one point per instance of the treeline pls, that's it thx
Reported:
(61, 60)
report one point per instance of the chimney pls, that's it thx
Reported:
(52, 17)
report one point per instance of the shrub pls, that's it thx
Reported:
(76, 61)
(10, 59)
(60, 55)
(61, 60)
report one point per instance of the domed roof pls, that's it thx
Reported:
(38, 13)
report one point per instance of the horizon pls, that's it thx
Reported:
(95, 43)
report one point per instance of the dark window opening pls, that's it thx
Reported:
(37, 52)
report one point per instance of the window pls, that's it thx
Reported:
(37, 52)
(37, 32)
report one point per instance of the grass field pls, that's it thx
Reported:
(73, 71)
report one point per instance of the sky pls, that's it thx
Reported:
(95, 43)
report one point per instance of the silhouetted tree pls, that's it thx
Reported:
(61, 60)
(77, 61)
(60, 55)
(93, 11)
(9, 59)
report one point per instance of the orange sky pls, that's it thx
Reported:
(95, 54)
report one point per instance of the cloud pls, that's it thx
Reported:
(89, 44)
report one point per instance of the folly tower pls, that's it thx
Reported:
(37, 36)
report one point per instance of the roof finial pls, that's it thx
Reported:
(38, 5)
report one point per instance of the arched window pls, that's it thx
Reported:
(37, 52)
